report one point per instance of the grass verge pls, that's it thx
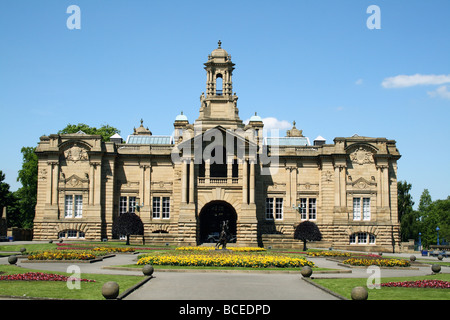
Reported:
(344, 287)
(59, 289)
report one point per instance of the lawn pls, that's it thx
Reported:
(59, 289)
(344, 287)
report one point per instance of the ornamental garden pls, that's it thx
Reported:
(20, 281)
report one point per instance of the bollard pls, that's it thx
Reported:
(306, 271)
(110, 290)
(147, 270)
(359, 293)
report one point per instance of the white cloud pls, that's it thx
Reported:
(273, 123)
(359, 82)
(402, 81)
(442, 92)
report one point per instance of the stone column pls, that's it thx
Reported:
(98, 180)
(91, 184)
(337, 197)
(252, 181)
(244, 182)
(288, 187)
(191, 181)
(49, 183)
(183, 181)
(55, 176)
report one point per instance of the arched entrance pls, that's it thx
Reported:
(212, 217)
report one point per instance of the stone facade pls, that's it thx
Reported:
(220, 169)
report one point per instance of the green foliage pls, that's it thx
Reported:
(407, 216)
(307, 231)
(106, 131)
(23, 214)
(126, 224)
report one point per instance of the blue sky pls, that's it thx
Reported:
(315, 62)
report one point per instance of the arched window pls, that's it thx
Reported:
(71, 234)
(219, 85)
(362, 238)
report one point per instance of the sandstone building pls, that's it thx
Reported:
(218, 168)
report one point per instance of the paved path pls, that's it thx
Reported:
(226, 285)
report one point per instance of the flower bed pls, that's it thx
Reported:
(59, 255)
(39, 276)
(225, 260)
(328, 254)
(377, 262)
(438, 284)
(234, 249)
(114, 249)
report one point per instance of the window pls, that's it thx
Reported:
(269, 208)
(165, 207)
(308, 208)
(127, 204)
(123, 205)
(356, 208)
(132, 204)
(161, 207)
(78, 206)
(71, 234)
(70, 209)
(156, 207)
(365, 208)
(274, 211)
(362, 238)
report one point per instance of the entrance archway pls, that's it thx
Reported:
(212, 217)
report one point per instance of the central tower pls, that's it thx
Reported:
(219, 106)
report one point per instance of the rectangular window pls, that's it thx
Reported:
(279, 208)
(122, 205)
(312, 209)
(156, 208)
(269, 208)
(165, 207)
(366, 208)
(78, 206)
(308, 208)
(356, 208)
(371, 239)
(71, 233)
(68, 207)
(132, 204)
(303, 208)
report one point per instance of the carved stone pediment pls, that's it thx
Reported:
(361, 156)
(75, 182)
(362, 183)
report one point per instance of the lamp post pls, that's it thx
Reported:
(437, 230)
(420, 242)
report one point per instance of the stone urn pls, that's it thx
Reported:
(359, 293)
(148, 270)
(306, 271)
(436, 268)
(12, 259)
(412, 258)
(110, 290)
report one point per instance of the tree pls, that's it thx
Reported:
(6, 196)
(106, 131)
(27, 194)
(408, 218)
(128, 223)
(307, 231)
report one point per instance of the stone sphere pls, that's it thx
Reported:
(359, 293)
(440, 257)
(147, 270)
(110, 290)
(306, 271)
(412, 258)
(436, 268)
(12, 259)
(22, 250)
